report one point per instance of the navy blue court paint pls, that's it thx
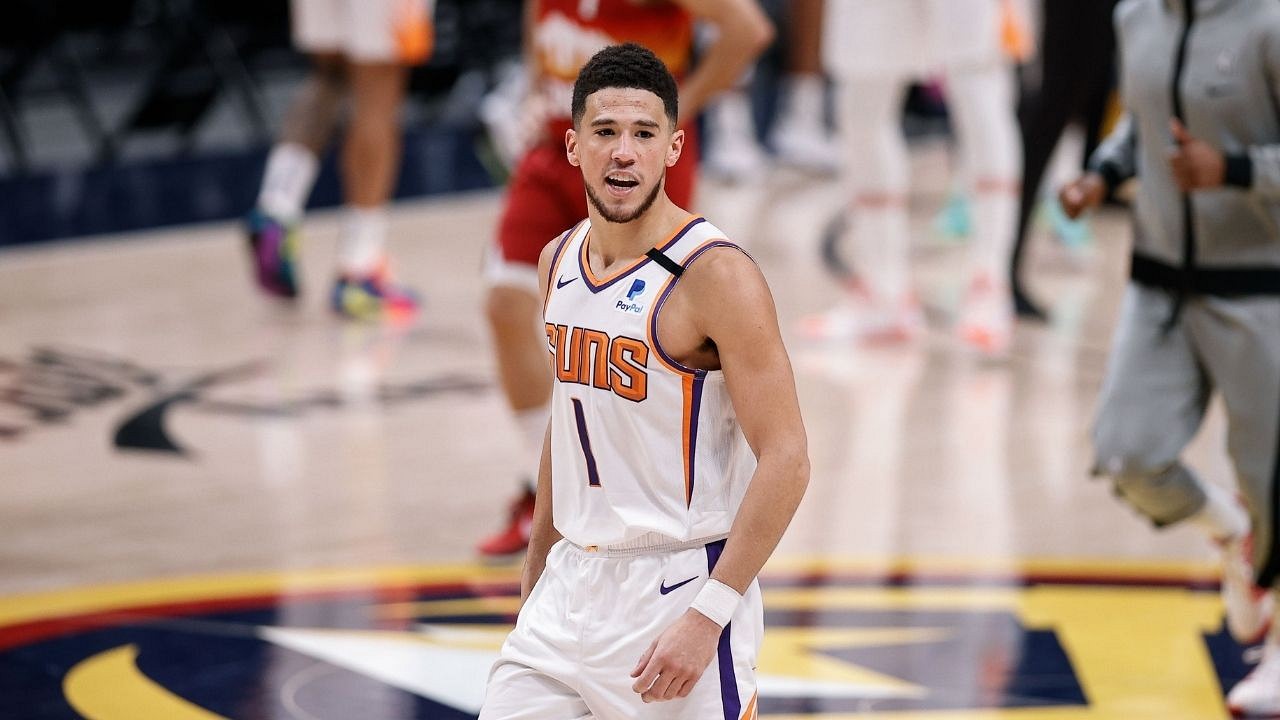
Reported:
(217, 658)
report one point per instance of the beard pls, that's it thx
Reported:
(624, 217)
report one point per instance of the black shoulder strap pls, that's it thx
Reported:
(670, 265)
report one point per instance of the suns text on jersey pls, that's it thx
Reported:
(593, 358)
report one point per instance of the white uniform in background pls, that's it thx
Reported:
(873, 50)
(371, 31)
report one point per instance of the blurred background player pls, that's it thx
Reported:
(873, 50)
(1201, 312)
(546, 197)
(361, 52)
(799, 135)
(1077, 64)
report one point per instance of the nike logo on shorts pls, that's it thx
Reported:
(664, 588)
(561, 282)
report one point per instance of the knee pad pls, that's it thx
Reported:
(1165, 496)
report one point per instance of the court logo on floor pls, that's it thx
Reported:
(393, 645)
(55, 384)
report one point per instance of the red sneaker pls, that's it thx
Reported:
(515, 536)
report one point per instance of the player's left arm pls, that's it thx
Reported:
(761, 386)
(1257, 167)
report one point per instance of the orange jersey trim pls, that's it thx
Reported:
(584, 255)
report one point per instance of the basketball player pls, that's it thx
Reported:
(361, 51)
(675, 456)
(545, 194)
(1200, 79)
(874, 49)
(799, 134)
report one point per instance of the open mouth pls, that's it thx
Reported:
(621, 183)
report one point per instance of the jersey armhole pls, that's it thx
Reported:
(555, 262)
(668, 361)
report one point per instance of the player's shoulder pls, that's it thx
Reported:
(1265, 14)
(553, 248)
(716, 265)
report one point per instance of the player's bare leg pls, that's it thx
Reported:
(521, 352)
(292, 165)
(370, 159)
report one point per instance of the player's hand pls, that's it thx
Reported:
(1084, 193)
(673, 663)
(1196, 164)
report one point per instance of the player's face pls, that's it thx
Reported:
(624, 145)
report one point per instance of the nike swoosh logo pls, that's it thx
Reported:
(664, 589)
(562, 283)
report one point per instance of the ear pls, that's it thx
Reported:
(675, 148)
(571, 146)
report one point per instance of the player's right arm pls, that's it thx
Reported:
(742, 33)
(1111, 164)
(543, 533)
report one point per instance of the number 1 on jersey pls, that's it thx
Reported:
(593, 476)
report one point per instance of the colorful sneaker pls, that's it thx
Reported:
(1248, 608)
(1258, 694)
(515, 536)
(986, 317)
(273, 246)
(1074, 234)
(955, 220)
(372, 297)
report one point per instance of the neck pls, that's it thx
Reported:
(611, 241)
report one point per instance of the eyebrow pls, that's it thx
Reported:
(610, 121)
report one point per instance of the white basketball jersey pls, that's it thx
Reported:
(639, 443)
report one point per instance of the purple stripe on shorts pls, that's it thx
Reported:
(724, 651)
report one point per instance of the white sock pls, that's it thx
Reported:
(363, 240)
(287, 181)
(804, 95)
(995, 215)
(733, 119)
(532, 424)
(1222, 516)
(880, 250)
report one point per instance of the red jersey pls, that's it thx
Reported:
(567, 33)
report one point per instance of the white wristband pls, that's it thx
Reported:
(717, 601)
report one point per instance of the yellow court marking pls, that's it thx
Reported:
(80, 601)
(109, 686)
(1137, 651)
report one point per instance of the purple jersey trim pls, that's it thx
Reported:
(696, 401)
(724, 651)
(662, 299)
(555, 257)
(597, 288)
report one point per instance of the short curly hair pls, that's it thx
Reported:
(625, 66)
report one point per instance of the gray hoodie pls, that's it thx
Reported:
(1215, 64)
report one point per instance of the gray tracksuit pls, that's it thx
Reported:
(1203, 311)
(1229, 95)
